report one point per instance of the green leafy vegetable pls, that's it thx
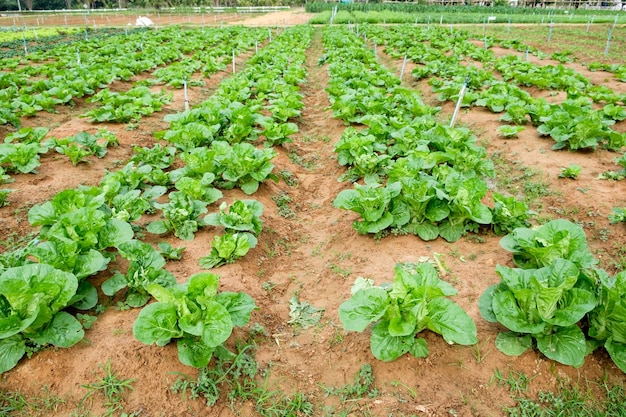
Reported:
(145, 267)
(544, 303)
(181, 215)
(572, 171)
(31, 299)
(415, 301)
(194, 313)
(241, 216)
(542, 246)
(228, 248)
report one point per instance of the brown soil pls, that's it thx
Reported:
(317, 255)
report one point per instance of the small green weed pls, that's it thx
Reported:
(17, 404)
(573, 401)
(306, 163)
(363, 385)
(302, 314)
(289, 178)
(283, 201)
(12, 402)
(111, 387)
(236, 374)
(517, 382)
(4, 194)
(344, 272)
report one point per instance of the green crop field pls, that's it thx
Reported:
(383, 212)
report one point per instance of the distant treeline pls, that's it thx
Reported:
(428, 7)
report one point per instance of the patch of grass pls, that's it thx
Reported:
(517, 382)
(344, 272)
(112, 389)
(619, 259)
(12, 403)
(363, 385)
(573, 401)
(283, 201)
(17, 404)
(236, 375)
(14, 241)
(313, 138)
(308, 163)
(533, 190)
(289, 178)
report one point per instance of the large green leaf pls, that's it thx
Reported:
(192, 352)
(239, 305)
(564, 345)
(451, 232)
(63, 331)
(363, 308)
(572, 307)
(509, 313)
(513, 344)
(114, 233)
(386, 347)
(452, 322)
(485, 303)
(114, 284)
(157, 323)
(12, 349)
(618, 353)
(217, 324)
(401, 323)
(426, 231)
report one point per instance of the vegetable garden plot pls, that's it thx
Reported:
(68, 72)
(316, 255)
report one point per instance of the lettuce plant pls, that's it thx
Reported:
(572, 171)
(543, 304)
(509, 214)
(415, 301)
(243, 165)
(199, 188)
(21, 157)
(4, 178)
(181, 215)
(145, 267)
(169, 252)
(194, 313)
(606, 321)
(80, 216)
(374, 203)
(241, 216)
(618, 215)
(128, 106)
(227, 248)
(158, 156)
(541, 246)
(32, 298)
(84, 144)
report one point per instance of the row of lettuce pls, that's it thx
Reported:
(449, 59)
(58, 76)
(555, 299)
(420, 176)
(84, 231)
(429, 179)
